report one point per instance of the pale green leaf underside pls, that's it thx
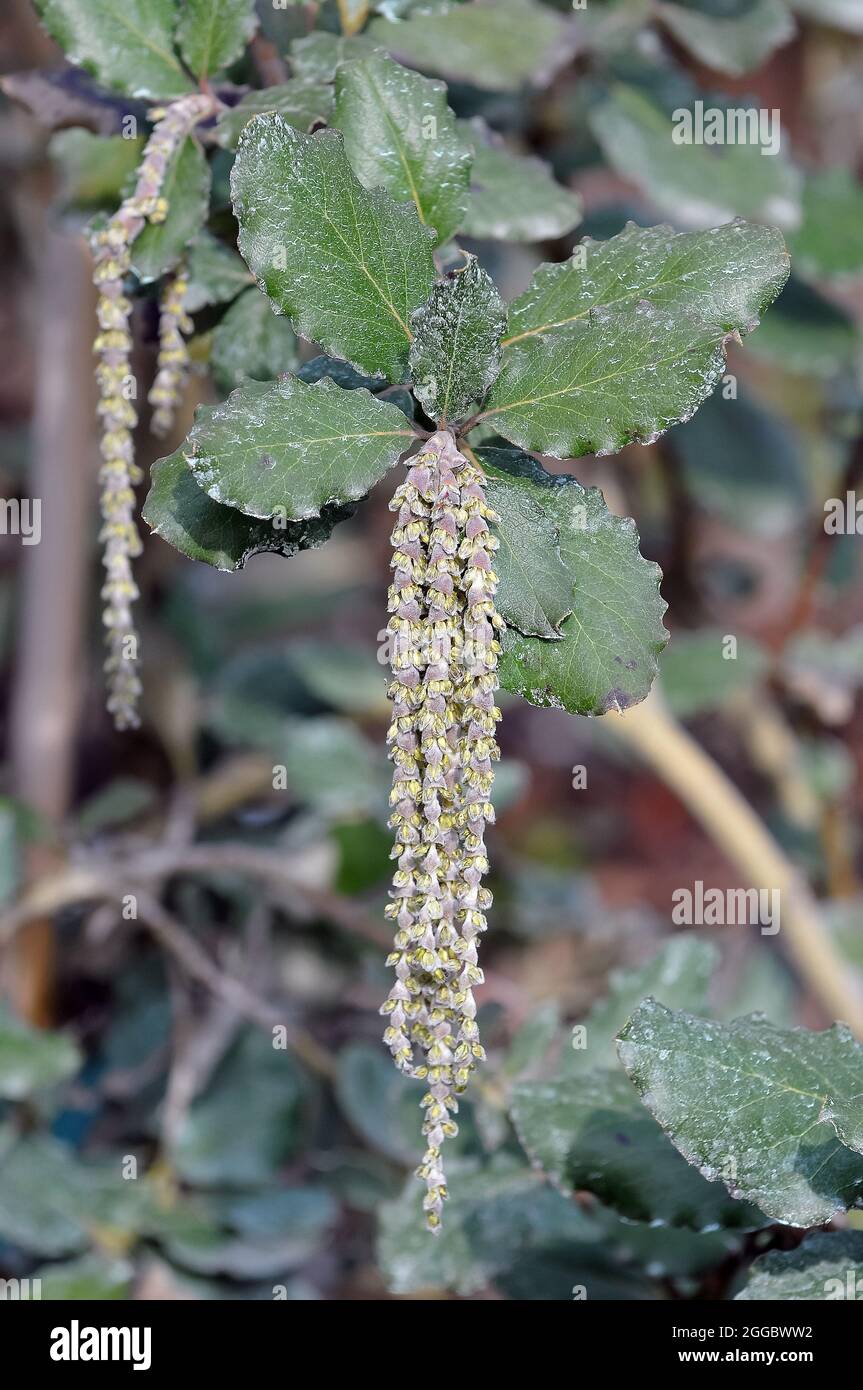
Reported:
(317, 56)
(216, 274)
(777, 1113)
(252, 341)
(590, 1133)
(499, 44)
(514, 197)
(827, 1266)
(618, 351)
(211, 34)
(31, 1060)
(401, 135)
(346, 264)
(125, 44)
(734, 42)
(455, 354)
(160, 246)
(697, 184)
(284, 447)
(606, 657)
(302, 104)
(183, 515)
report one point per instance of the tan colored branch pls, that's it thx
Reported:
(653, 732)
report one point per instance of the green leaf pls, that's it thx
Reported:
(536, 589)
(283, 448)
(499, 44)
(252, 343)
(455, 354)
(348, 265)
(260, 1084)
(273, 1231)
(514, 197)
(830, 240)
(590, 1133)
(160, 246)
(401, 135)
(495, 1213)
(627, 337)
(732, 38)
(696, 184)
(826, 1266)
(775, 1112)
(216, 274)
(31, 1060)
(93, 168)
(317, 56)
(125, 44)
(697, 676)
(183, 515)
(300, 103)
(607, 656)
(377, 1103)
(331, 766)
(211, 34)
(88, 1278)
(679, 975)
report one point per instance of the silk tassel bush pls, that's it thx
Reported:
(443, 629)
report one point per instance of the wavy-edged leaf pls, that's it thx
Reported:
(302, 104)
(183, 515)
(535, 593)
(618, 351)
(732, 38)
(126, 44)
(514, 197)
(251, 342)
(211, 34)
(284, 448)
(607, 656)
(591, 1133)
(455, 354)
(498, 44)
(829, 241)
(348, 265)
(216, 274)
(679, 975)
(401, 135)
(695, 184)
(776, 1113)
(160, 246)
(827, 1266)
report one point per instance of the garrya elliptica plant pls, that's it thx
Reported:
(502, 571)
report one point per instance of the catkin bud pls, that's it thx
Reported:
(117, 414)
(442, 629)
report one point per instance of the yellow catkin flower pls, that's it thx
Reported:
(117, 414)
(173, 360)
(444, 648)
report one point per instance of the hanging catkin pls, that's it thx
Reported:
(172, 364)
(118, 416)
(443, 637)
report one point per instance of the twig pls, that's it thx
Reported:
(653, 732)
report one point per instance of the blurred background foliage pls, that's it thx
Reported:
(153, 1141)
